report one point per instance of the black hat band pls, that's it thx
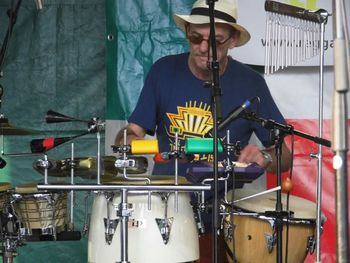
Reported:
(218, 14)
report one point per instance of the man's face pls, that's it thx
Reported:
(198, 38)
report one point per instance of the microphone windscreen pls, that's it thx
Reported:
(36, 146)
(43, 145)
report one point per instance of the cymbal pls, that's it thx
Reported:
(86, 167)
(7, 129)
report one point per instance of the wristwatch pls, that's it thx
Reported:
(267, 157)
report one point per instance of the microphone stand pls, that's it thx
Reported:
(279, 132)
(12, 21)
(216, 112)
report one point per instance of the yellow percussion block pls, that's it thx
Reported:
(155, 179)
(144, 146)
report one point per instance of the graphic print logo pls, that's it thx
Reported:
(190, 121)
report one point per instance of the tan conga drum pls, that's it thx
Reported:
(250, 232)
(40, 212)
(159, 234)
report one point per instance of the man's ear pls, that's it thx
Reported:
(235, 37)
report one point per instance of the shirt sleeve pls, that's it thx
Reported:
(144, 113)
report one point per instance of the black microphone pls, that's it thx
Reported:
(43, 145)
(233, 115)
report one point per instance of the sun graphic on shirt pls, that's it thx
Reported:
(192, 120)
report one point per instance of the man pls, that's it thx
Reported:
(175, 99)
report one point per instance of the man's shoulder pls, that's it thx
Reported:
(244, 70)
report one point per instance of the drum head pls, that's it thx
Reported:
(28, 188)
(4, 186)
(155, 179)
(301, 207)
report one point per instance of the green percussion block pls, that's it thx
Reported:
(201, 145)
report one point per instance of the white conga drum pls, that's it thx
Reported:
(39, 212)
(250, 235)
(148, 239)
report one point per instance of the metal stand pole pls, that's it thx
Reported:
(124, 213)
(340, 128)
(324, 15)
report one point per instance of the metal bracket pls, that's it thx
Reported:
(110, 227)
(164, 226)
(270, 241)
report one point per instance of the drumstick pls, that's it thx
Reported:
(258, 194)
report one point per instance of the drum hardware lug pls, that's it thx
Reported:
(87, 216)
(311, 244)
(229, 232)
(198, 220)
(270, 241)
(110, 227)
(164, 226)
(85, 229)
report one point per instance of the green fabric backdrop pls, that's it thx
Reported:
(82, 58)
(55, 60)
(142, 31)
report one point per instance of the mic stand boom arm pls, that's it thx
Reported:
(287, 129)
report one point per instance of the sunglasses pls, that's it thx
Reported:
(198, 39)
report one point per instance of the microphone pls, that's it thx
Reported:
(39, 4)
(43, 145)
(233, 115)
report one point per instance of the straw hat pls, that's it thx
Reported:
(225, 12)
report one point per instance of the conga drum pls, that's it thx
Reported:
(250, 231)
(39, 212)
(4, 194)
(159, 234)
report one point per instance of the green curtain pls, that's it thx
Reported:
(141, 31)
(55, 60)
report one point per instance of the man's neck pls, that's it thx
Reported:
(206, 74)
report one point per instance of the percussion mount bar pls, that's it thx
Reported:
(94, 187)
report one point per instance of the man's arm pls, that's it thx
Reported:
(266, 158)
(133, 132)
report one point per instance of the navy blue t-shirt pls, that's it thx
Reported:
(173, 99)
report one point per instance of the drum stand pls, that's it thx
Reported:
(10, 237)
(124, 209)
